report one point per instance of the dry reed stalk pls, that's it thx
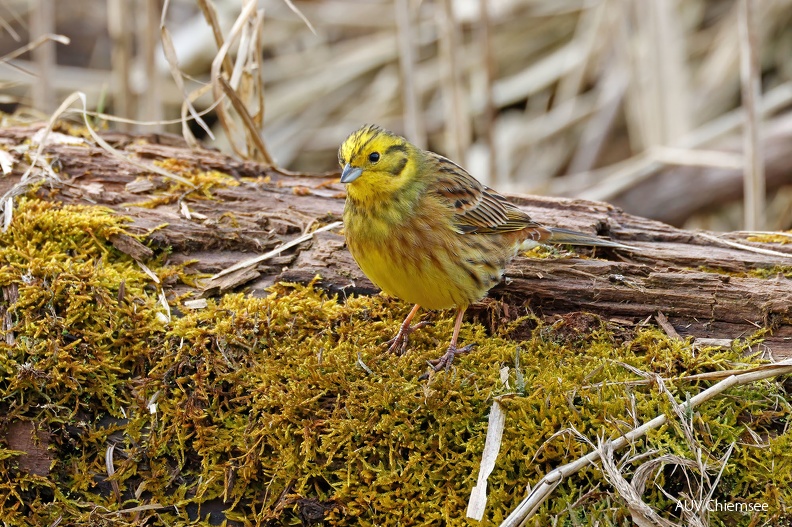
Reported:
(457, 122)
(301, 15)
(597, 24)
(657, 111)
(754, 177)
(119, 27)
(588, 33)
(489, 110)
(150, 107)
(42, 22)
(604, 184)
(187, 98)
(246, 23)
(8, 58)
(40, 169)
(413, 125)
(8, 26)
(616, 75)
(210, 14)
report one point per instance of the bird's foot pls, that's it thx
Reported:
(398, 344)
(445, 361)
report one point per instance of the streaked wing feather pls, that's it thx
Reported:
(478, 208)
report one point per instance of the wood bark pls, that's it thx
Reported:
(706, 288)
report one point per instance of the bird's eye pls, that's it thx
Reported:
(374, 157)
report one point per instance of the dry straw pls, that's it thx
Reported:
(588, 99)
(544, 488)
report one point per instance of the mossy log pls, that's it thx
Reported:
(707, 287)
(125, 401)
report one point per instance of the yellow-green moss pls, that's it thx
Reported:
(252, 409)
(205, 182)
(759, 272)
(773, 272)
(769, 237)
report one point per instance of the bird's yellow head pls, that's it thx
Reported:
(377, 163)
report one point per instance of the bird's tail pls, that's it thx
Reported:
(569, 237)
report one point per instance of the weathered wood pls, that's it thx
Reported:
(23, 436)
(682, 274)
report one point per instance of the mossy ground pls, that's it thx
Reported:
(258, 410)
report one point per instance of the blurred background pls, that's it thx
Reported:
(677, 110)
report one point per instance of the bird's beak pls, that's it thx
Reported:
(350, 174)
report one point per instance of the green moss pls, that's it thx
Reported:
(258, 409)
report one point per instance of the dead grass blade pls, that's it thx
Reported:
(642, 514)
(50, 37)
(246, 32)
(302, 16)
(173, 64)
(492, 444)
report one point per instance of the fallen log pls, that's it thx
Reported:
(708, 287)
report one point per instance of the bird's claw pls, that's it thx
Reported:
(398, 344)
(444, 362)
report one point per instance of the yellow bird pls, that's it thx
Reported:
(424, 230)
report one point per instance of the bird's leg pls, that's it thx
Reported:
(398, 344)
(446, 360)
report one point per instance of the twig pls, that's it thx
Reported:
(744, 247)
(667, 327)
(708, 376)
(253, 261)
(545, 487)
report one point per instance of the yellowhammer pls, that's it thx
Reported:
(424, 230)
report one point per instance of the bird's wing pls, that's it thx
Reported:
(477, 208)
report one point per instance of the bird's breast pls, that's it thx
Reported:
(424, 260)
